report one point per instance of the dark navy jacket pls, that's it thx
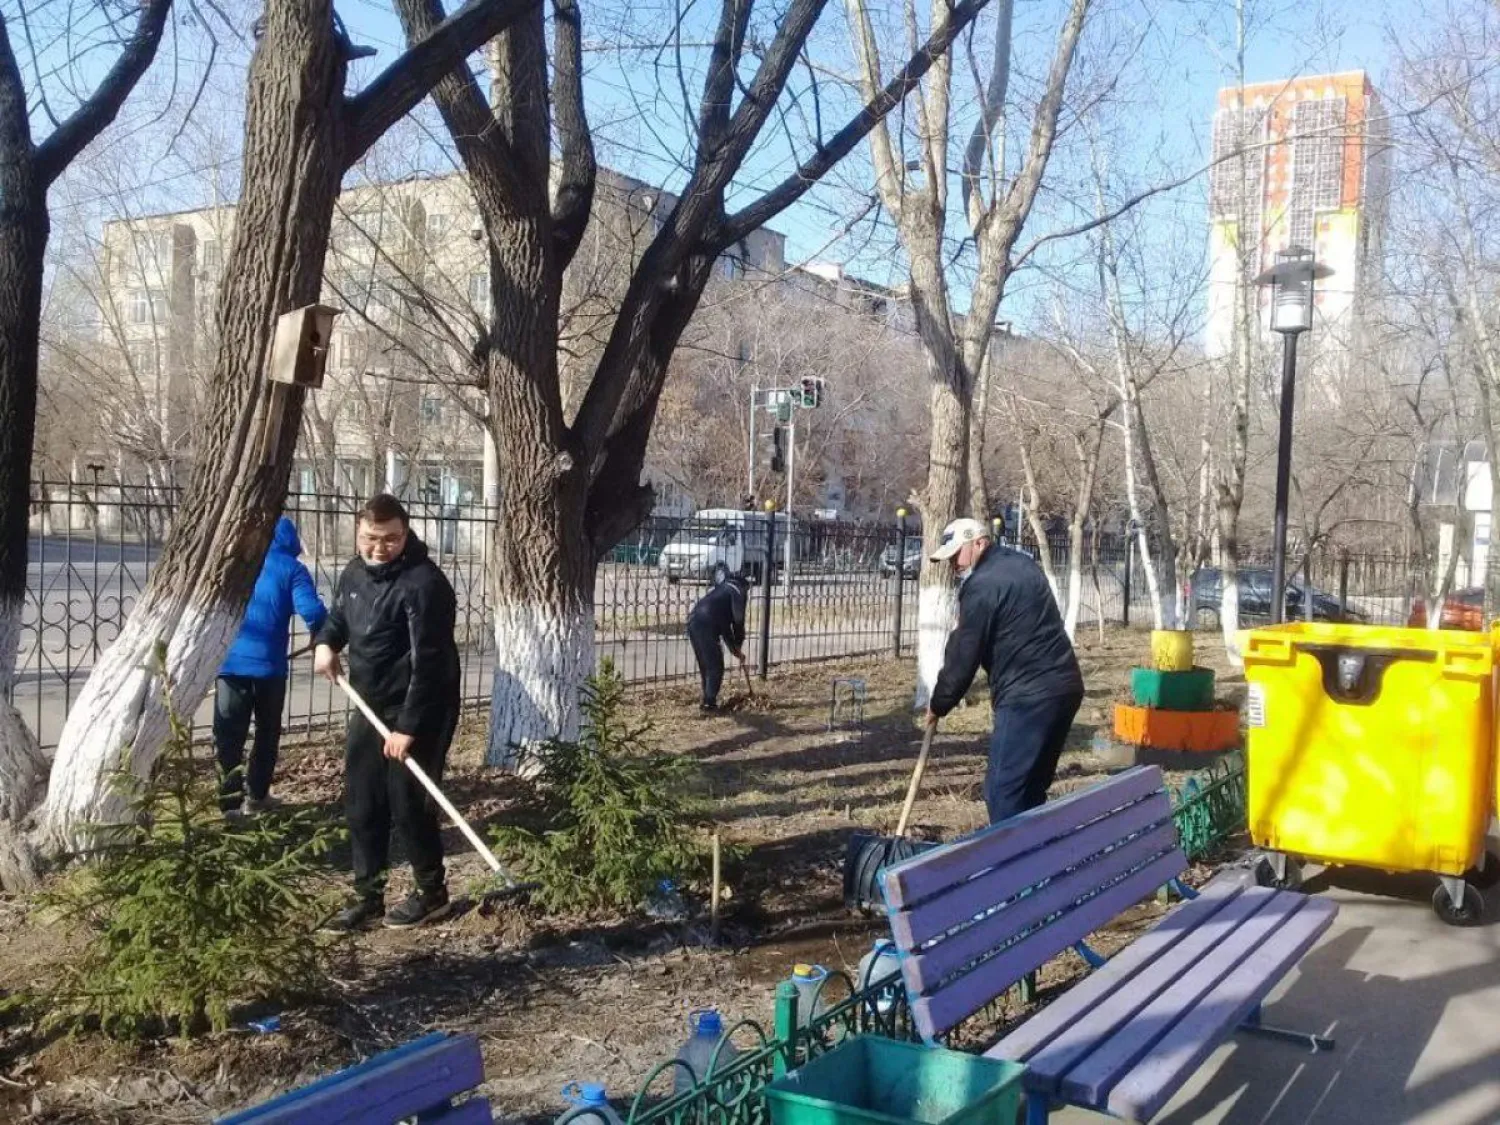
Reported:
(1008, 624)
(722, 610)
(284, 585)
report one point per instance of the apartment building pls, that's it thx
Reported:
(1299, 162)
(408, 264)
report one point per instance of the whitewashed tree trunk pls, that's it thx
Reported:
(23, 766)
(119, 721)
(543, 655)
(1075, 588)
(937, 611)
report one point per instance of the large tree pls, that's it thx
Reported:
(303, 130)
(572, 479)
(28, 168)
(995, 205)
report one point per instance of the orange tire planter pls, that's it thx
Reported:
(1201, 731)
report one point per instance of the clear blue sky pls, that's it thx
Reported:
(635, 102)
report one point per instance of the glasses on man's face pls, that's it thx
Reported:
(371, 540)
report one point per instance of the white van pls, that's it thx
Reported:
(718, 542)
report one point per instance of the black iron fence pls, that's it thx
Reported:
(822, 590)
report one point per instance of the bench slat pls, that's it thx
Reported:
(1042, 1028)
(912, 928)
(1174, 969)
(925, 972)
(1157, 1077)
(935, 1014)
(415, 1077)
(1091, 1079)
(906, 884)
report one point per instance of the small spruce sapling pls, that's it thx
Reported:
(185, 914)
(619, 816)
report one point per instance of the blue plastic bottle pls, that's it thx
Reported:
(698, 1051)
(590, 1105)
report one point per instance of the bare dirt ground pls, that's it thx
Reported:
(589, 998)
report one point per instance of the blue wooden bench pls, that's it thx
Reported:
(979, 915)
(419, 1079)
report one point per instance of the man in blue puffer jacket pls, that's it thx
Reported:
(252, 680)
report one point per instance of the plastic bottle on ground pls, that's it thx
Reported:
(809, 980)
(875, 966)
(590, 1105)
(698, 1052)
(665, 902)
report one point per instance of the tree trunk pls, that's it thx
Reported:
(23, 242)
(943, 500)
(301, 135)
(193, 602)
(979, 492)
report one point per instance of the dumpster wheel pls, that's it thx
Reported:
(1466, 912)
(1278, 870)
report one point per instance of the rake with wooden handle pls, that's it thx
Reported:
(510, 885)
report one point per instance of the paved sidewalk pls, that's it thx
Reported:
(1414, 1005)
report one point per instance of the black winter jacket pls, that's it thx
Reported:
(1007, 622)
(722, 609)
(396, 621)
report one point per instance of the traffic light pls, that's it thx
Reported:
(778, 458)
(812, 391)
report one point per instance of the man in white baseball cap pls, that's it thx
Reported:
(1008, 623)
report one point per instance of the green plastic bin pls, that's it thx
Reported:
(1173, 691)
(868, 1079)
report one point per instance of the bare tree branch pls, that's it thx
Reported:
(100, 108)
(580, 169)
(398, 89)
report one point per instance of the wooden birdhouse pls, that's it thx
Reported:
(299, 351)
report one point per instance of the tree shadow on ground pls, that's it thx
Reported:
(1384, 1027)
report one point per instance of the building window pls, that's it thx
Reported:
(147, 306)
(142, 357)
(732, 267)
(211, 262)
(437, 227)
(479, 292)
(432, 409)
(162, 249)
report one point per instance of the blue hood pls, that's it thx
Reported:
(283, 588)
(285, 539)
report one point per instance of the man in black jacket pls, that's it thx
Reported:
(1008, 622)
(719, 615)
(393, 613)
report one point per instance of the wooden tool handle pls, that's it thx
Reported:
(916, 780)
(427, 783)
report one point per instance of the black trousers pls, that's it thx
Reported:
(380, 793)
(237, 700)
(710, 656)
(1024, 749)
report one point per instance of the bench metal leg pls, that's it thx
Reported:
(1038, 1109)
(1182, 890)
(1090, 958)
(1314, 1043)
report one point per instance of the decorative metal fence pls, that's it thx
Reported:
(1208, 810)
(823, 590)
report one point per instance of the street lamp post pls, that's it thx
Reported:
(1291, 280)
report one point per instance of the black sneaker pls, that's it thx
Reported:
(419, 909)
(707, 707)
(356, 916)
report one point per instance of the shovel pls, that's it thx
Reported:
(508, 885)
(749, 690)
(868, 853)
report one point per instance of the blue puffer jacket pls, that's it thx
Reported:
(284, 585)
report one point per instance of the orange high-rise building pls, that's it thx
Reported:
(1312, 173)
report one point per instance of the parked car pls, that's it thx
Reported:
(911, 562)
(1462, 609)
(1206, 595)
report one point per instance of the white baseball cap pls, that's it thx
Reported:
(956, 534)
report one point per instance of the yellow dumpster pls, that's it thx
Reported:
(1374, 747)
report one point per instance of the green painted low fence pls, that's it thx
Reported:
(1208, 809)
